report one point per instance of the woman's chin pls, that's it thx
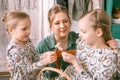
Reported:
(64, 34)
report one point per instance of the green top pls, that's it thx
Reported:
(48, 44)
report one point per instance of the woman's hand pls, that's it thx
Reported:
(113, 44)
(49, 57)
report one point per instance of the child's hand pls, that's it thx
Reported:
(68, 57)
(51, 57)
(9, 68)
(71, 59)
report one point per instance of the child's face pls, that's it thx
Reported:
(22, 31)
(61, 25)
(87, 33)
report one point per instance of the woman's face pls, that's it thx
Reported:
(60, 25)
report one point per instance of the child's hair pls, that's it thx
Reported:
(100, 19)
(54, 10)
(11, 18)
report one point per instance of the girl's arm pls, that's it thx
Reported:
(106, 68)
(81, 73)
(18, 59)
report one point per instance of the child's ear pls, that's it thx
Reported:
(10, 31)
(99, 32)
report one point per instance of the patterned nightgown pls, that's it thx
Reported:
(98, 64)
(24, 61)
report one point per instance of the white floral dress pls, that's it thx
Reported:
(98, 64)
(24, 61)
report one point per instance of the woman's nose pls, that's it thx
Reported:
(62, 25)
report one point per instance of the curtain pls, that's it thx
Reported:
(29, 6)
(37, 9)
(98, 4)
(79, 7)
(44, 6)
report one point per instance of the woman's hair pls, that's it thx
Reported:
(54, 10)
(100, 19)
(12, 18)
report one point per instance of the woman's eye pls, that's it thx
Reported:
(66, 21)
(56, 23)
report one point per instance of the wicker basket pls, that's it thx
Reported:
(55, 70)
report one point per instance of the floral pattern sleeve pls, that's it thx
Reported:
(118, 59)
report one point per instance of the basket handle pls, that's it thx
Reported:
(55, 70)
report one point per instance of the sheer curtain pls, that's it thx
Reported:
(79, 7)
(44, 6)
(37, 9)
(98, 4)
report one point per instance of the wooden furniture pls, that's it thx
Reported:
(3, 65)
